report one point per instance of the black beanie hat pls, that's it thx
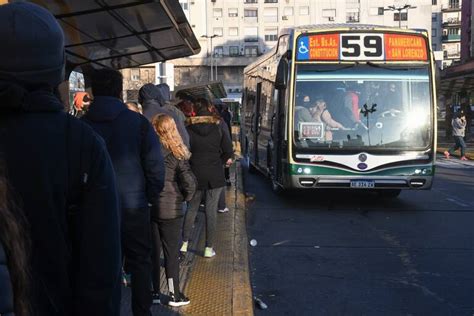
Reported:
(32, 45)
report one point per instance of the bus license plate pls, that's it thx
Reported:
(362, 184)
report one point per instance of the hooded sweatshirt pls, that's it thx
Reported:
(42, 149)
(150, 97)
(459, 127)
(134, 149)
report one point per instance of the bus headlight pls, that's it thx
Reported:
(307, 170)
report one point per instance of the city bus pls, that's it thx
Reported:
(342, 106)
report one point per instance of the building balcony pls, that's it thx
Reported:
(452, 23)
(450, 7)
(451, 38)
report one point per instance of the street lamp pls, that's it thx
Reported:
(399, 9)
(212, 53)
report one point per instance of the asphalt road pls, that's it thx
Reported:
(344, 253)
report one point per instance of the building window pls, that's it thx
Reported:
(434, 32)
(270, 1)
(217, 12)
(434, 17)
(329, 13)
(218, 51)
(234, 51)
(304, 10)
(233, 12)
(184, 5)
(218, 31)
(434, 46)
(271, 34)
(250, 13)
(403, 15)
(288, 11)
(352, 16)
(251, 34)
(233, 31)
(251, 51)
(270, 15)
(250, 1)
(135, 74)
(434, 2)
(376, 11)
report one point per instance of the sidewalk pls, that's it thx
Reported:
(219, 285)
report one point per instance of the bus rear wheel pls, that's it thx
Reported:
(391, 193)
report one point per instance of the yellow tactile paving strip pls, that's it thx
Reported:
(220, 285)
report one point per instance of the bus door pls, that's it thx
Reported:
(277, 143)
(255, 129)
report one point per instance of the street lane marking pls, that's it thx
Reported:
(457, 202)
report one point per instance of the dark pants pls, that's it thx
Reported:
(221, 204)
(212, 198)
(136, 247)
(166, 233)
(459, 143)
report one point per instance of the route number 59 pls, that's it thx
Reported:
(362, 47)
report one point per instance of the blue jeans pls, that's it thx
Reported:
(458, 143)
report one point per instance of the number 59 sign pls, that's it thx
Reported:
(362, 46)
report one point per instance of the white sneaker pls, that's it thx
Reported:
(225, 210)
(209, 252)
(184, 247)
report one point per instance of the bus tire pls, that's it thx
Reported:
(390, 193)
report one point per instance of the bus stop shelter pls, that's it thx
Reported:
(121, 34)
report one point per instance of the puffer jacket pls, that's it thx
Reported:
(211, 147)
(180, 186)
(6, 291)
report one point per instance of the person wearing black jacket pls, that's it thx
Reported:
(211, 148)
(138, 163)
(53, 161)
(167, 215)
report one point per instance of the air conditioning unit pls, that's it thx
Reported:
(284, 17)
(331, 19)
(213, 0)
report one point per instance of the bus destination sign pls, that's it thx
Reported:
(362, 46)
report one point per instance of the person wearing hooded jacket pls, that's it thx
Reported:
(138, 163)
(149, 96)
(165, 100)
(53, 161)
(167, 215)
(211, 148)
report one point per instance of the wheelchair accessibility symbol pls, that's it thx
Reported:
(303, 51)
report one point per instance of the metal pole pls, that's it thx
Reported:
(212, 60)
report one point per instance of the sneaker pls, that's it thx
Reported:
(464, 158)
(209, 252)
(178, 300)
(225, 210)
(446, 154)
(156, 297)
(126, 279)
(184, 247)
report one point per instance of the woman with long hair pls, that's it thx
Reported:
(13, 256)
(167, 215)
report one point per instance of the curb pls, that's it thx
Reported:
(242, 302)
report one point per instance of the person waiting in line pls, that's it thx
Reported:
(55, 163)
(139, 166)
(210, 148)
(133, 106)
(187, 107)
(167, 215)
(14, 256)
(459, 131)
(152, 101)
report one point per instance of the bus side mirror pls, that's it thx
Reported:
(282, 75)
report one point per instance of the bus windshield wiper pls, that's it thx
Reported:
(335, 69)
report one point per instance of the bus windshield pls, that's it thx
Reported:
(362, 106)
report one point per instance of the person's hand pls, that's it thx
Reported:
(228, 162)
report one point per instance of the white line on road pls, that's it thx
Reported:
(457, 202)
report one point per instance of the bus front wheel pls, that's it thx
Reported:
(391, 193)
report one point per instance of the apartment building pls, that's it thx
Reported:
(233, 33)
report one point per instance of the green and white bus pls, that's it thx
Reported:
(342, 106)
